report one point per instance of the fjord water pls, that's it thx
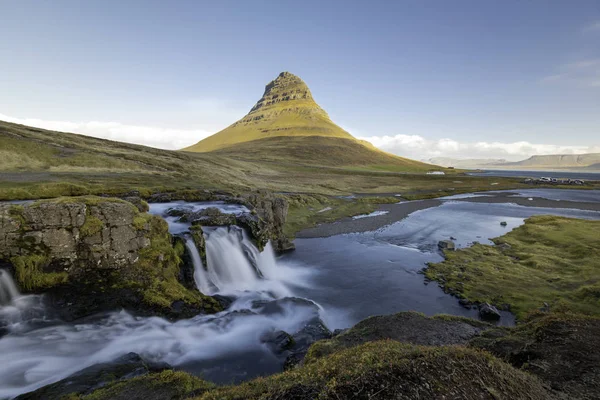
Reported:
(340, 279)
(586, 175)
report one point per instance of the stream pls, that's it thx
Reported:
(339, 279)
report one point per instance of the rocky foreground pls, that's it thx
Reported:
(402, 356)
(92, 254)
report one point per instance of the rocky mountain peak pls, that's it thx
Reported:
(286, 91)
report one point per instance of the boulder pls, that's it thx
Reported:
(488, 312)
(406, 327)
(212, 216)
(278, 341)
(446, 245)
(271, 212)
(312, 332)
(92, 378)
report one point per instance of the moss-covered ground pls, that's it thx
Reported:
(383, 369)
(562, 349)
(549, 259)
(172, 385)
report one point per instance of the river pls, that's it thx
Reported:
(340, 279)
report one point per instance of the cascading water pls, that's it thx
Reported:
(8, 289)
(234, 264)
(223, 347)
(228, 268)
(200, 275)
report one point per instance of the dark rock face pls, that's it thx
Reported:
(446, 245)
(93, 254)
(272, 211)
(408, 327)
(74, 235)
(278, 341)
(86, 381)
(213, 217)
(488, 312)
(562, 350)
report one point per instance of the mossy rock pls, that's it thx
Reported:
(562, 349)
(93, 254)
(408, 327)
(166, 385)
(393, 370)
(383, 369)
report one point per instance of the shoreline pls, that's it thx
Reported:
(398, 211)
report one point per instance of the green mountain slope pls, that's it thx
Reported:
(287, 125)
(286, 108)
(319, 150)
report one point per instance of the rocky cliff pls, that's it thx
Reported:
(91, 254)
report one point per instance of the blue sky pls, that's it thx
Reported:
(419, 78)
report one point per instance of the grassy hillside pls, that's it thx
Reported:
(320, 150)
(38, 163)
(286, 108)
(552, 260)
(287, 125)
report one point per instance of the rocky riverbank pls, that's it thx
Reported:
(93, 254)
(401, 356)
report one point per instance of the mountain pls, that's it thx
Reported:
(574, 162)
(466, 163)
(579, 161)
(287, 125)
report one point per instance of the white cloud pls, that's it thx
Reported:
(583, 73)
(411, 146)
(418, 147)
(592, 27)
(164, 138)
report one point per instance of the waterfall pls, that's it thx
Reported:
(200, 275)
(8, 289)
(234, 264)
(228, 267)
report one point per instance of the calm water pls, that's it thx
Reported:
(589, 176)
(354, 276)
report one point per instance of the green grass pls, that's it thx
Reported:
(388, 369)
(309, 210)
(28, 270)
(91, 226)
(549, 259)
(63, 169)
(158, 386)
(384, 369)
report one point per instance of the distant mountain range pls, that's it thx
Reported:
(569, 162)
